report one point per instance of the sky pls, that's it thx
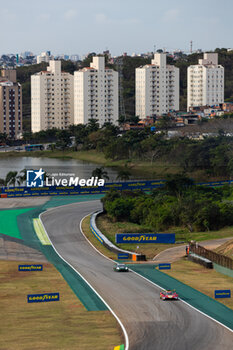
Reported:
(132, 26)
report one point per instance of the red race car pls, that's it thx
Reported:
(169, 295)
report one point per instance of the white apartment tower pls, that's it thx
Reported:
(96, 93)
(157, 87)
(205, 82)
(51, 98)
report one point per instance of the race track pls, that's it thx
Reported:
(151, 324)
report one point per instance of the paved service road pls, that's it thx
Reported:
(175, 253)
(151, 324)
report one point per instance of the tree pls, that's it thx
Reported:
(3, 137)
(22, 176)
(124, 174)
(178, 183)
(100, 173)
(15, 178)
(63, 139)
(11, 178)
(165, 123)
(92, 125)
(151, 147)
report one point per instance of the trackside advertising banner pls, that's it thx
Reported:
(74, 186)
(41, 298)
(165, 266)
(38, 183)
(145, 238)
(30, 268)
(222, 293)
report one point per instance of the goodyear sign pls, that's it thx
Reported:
(40, 298)
(145, 238)
(30, 267)
(123, 256)
(221, 293)
(164, 266)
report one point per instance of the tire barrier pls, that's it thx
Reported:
(109, 245)
(200, 260)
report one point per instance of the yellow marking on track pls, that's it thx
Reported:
(40, 232)
(117, 347)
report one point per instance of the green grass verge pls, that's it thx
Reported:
(57, 325)
(109, 228)
(200, 278)
(8, 222)
(101, 248)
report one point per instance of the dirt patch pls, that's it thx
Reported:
(12, 250)
(22, 202)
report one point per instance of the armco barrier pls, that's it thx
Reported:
(146, 185)
(109, 245)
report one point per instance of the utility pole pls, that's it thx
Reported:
(191, 46)
(121, 99)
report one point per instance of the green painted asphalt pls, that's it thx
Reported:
(8, 222)
(18, 223)
(193, 297)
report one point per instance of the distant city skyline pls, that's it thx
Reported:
(77, 27)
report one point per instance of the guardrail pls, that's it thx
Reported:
(213, 256)
(108, 244)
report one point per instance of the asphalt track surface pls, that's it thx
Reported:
(150, 323)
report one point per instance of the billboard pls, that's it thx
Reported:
(165, 266)
(30, 267)
(222, 293)
(145, 238)
(41, 298)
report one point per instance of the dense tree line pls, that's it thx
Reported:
(179, 203)
(212, 156)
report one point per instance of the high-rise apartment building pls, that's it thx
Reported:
(96, 93)
(51, 98)
(157, 87)
(205, 82)
(44, 57)
(10, 104)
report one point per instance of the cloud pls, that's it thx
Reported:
(70, 14)
(171, 15)
(101, 18)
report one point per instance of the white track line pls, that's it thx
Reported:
(185, 302)
(117, 318)
(126, 336)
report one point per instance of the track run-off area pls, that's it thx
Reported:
(149, 323)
